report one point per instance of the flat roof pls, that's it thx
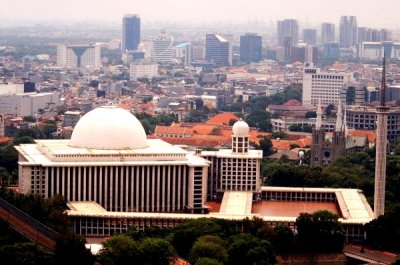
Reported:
(236, 202)
(351, 207)
(59, 152)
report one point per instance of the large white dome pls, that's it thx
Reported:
(240, 129)
(109, 128)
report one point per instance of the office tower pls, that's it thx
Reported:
(288, 46)
(327, 33)
(288, 28)
(310, 36)
(198, 53)
(348, 31)
(381, 149)
(250, 48)
(219, 49)
(324, 87)
(162, 48)
(78, 55)
(331, 50)
(130, 32)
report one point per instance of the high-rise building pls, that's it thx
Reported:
(288, 46)
(348, 31)
(219, 49)
(78, 55)
(382, 112)
(162, 48)
(250, 48)
(288, 28)
(130, 32)
(327, 33)
(310, 36)
(373, 35)
(331, 50)
(324, 87)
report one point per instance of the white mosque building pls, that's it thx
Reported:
(114, 177)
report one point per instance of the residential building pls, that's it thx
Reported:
(143, 69)
(78, 55)
(348, 31)
(288, 28)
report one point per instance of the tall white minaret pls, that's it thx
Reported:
(381, 149)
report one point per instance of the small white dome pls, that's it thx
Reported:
(240, 129)
(109, 128)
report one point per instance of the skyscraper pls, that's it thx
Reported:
(381, 149)
(250, 48)
(162, 48)
(348, 31)
(310, 36)
(288, 28)
(219, 49)
(130, 32)
(327, 33)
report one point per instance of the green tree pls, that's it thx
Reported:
(26, 254)
(209, 247)
(120, 250)
(187, 233)
(319, 232)
(265, 144)
(280, 135)
(310, 114)
(246, 249)
(156, 251)
(71, 250)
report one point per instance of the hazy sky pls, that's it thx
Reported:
(373, 13)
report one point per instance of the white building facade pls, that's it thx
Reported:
(78, 55)
(109, 161)
(235, 169)
(143, 69)
(323, 86)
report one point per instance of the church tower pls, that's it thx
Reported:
(381, 149)
(339, 135)
(318, 139)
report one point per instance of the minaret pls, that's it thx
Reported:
(381, 149)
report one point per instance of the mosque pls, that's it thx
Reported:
(114, 177)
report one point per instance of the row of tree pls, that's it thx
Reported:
(216, 241)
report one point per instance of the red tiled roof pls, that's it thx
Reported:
(222, 118)
(371, 135)
(4, 140)
(292, 102)
(172, 130)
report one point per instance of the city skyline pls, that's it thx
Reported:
(198, 11)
